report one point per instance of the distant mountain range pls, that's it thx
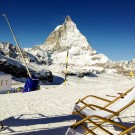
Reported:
(52, 53)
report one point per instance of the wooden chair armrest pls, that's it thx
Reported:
(103, 99)
(99, 107)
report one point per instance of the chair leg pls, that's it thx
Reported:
(88, 130)
(127, 131)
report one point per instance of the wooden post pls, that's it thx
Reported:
(66, 71)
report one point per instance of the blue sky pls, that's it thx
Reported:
(108, 25)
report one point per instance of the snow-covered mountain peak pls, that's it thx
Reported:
(69, 23)
(68, 19)
(66, 36)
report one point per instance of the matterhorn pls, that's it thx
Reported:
(67, 37)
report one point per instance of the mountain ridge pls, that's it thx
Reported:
(82, 57)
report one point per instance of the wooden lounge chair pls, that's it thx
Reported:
(81, 102)
(89, 112)
(85, 129)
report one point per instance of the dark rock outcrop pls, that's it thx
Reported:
(11, 63)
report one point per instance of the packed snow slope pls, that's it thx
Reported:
(48, 111)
